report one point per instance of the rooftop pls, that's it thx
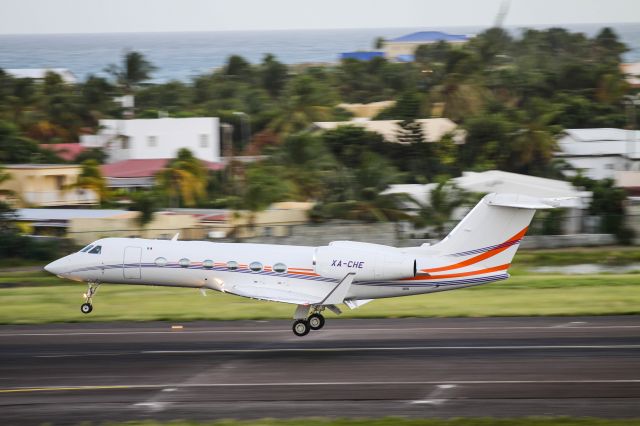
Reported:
(66, 151)
(433, 128)
(40, 166)
(599, 142)
(429, 37)
(137, 168)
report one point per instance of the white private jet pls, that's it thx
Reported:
(477, 251)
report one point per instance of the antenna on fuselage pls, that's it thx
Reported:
(175, 237)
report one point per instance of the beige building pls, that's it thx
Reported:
(276, 221)
(432, 128)
(46, 185)
(86, 225)
(369, 110)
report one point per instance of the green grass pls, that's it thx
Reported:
(399, 421)
(55, 300)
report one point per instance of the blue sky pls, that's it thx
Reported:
(91, 16)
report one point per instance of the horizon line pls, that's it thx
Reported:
(510, 26)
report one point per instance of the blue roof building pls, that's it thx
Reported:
(361, 56)
(402, 49)
(429, 37)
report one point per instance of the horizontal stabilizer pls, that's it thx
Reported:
(526, 202)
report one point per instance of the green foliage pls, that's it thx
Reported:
(91, 178)
(134, 70)
(145, 202)
(444, 199)
(183, 181)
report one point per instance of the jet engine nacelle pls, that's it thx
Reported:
(368, 261)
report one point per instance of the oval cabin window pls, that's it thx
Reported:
(280, 267)
(184, 262)
(255, 266)
(161, 261)
(208, 263)
(232, 265)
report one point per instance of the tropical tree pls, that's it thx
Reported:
(135, 69)
(184, 180)
(444, 199)
(91, 178)
(146, 203)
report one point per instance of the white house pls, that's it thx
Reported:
(505, 182)
(600, 153)
(40, 73)
(157, 138)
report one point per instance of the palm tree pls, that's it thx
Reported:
(184, 180)
(445, 198)
(134, 70)
(91, 178)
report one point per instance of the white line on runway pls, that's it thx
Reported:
(279, 384)
(281, 330)
(389, 348)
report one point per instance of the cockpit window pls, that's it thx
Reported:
(87, 248)
(96, 250)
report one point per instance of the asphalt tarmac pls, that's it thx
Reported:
(504, 367)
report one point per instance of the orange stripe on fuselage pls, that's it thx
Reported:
(479, 257)
(462, 274)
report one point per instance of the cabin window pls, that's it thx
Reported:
(96, 250)
(255, 266)
(161, 261)
(184, 262)
(232, 265)
(87, 248)
(280, 267)
(208, 263)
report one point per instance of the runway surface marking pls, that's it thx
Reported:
(403, 348)
(280, 330)
(448, 384)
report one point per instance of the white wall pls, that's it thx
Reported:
(599, 167)
(160, 138)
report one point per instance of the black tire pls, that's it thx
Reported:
(86, 308)
(301, 328)
(316, 321)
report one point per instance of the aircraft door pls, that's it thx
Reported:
(131, 262)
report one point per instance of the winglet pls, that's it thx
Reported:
(175, 237)
(339, 292)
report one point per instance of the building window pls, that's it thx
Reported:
(204, 140)
(184, 262)
(280, 267)
(161, 261)
(124, 142)
(255, 266)
(152, 141)
(208, 263)
(232, 265)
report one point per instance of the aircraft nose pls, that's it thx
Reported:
(55, 267)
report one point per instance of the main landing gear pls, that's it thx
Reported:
(315, 321)
(87, 306)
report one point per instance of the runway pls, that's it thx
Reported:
(569, 366)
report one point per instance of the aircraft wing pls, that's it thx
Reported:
(273, 295)
(334, 297)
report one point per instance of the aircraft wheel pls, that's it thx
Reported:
(86, 308)
(316, 321)
(301, 328)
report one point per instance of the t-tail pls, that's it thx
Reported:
(486, 239)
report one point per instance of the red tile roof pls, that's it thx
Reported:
(66, 151)
(144, 168)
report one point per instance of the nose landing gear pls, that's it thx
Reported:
(87, 306)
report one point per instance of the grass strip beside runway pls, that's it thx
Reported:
(528, 295)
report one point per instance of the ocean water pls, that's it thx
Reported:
(184, 55)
